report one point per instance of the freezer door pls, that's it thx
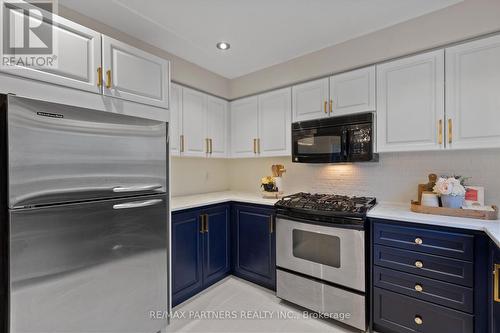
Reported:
(60, 154)
(91, 267)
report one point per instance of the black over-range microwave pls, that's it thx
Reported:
(344, 139)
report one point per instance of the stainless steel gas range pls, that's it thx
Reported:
(320, 254)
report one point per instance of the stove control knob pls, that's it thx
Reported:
(419, 288)
(419, 241)
(419, 320)
(419, 264)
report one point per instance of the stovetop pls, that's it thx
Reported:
(325, 207)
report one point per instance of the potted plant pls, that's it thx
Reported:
(268, 184)
(451, 190)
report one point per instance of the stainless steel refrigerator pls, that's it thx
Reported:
(84, 217)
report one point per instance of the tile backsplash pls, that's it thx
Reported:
(393, 179)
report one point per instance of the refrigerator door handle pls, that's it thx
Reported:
(137, 204)
(121, 189)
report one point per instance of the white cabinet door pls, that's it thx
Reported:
(77, 49)
(473, 94)
(244, 127)
(410, 103)
(194, 122)
(310, 100)
(353, 92)
(275, 113)
(217, 126)
(175, 124)
(134, 75)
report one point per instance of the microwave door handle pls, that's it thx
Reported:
(345, 144)
(122, 189)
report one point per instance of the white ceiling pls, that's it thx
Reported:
(262, 33)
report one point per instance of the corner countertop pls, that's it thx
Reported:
(387, 211)
(199, 200)
(402, 212)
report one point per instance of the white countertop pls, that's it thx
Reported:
(387, 211)
(198, 200)
(402, 212)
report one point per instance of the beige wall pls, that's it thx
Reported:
(198, 175)
(183, 71)
(464, 20)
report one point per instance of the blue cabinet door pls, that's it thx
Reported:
(254, 255)
(216, 257)
(495, 292)
(187, 270)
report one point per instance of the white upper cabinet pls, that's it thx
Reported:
(473, 94)
(410, 103)
(175, 124)
(77, 50)
(275, 113)
(217, 127)
(244, 127)
(353, 92)
(132, 74)
(194, 123)
(310, 100)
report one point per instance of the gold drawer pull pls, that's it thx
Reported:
(419, 264)
(99, 77)
(108, 79)
(450, 131)
(419, 241)
(440, 131)
(202, 223)
(326, 103)
(496, 285)
(419, 320)
(419, 288)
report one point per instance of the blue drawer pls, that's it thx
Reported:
(439, 268)
(402, 314)
(434, 291)
(453, 245)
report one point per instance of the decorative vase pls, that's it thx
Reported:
(450, 201)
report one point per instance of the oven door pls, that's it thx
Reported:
(332, 254)
(320, 144)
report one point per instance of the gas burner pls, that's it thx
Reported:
(325, 207)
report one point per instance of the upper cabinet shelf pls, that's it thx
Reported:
(89, 61)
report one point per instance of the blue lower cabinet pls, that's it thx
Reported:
(494, 289)
(200, 250)
(402, 314)
(187, 256)
(254, 254)
(217, 260)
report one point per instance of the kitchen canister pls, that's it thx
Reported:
(430, 199)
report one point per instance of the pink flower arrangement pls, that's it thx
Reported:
(449, 186)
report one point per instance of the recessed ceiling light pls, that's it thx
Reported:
(223, 46)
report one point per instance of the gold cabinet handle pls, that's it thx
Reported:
(258, 146)
(108, 79)
(331, 105)
(450, 131)
(496, 285)
(202, 223)
(182, 143)
(325, 106)
(419, 288)
(419, 320)
(419, 264)
(206, 223)
(271, 226)
(440, 131)
(419, 241)
(255, 146)
(207, 145)
(211, 146)
(99, 77)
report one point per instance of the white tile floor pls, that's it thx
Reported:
(232, 296)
